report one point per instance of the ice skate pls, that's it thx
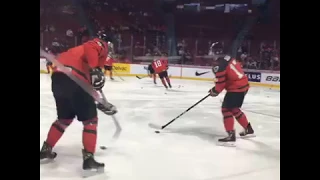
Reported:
(46, 154)
(248, 132)
(90, 166)
(229, 141)
(111, 78)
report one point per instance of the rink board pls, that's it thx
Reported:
(256, 78)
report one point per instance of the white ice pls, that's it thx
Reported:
(186, 151)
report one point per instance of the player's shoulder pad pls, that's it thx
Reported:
(221, 64)
(96, 43)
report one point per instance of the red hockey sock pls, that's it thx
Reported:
(164, 82)
(56, 131)
(240, 117)
(89, 135)
(228, 119)
(168, 80)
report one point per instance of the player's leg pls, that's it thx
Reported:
(109, 69)
(86, 112)
(228, 119)
(105, 70)
(49, 67)
(240, 115)
(162, 76)
(62, 88)
(167, 78)
(110, 72)
(153, 75)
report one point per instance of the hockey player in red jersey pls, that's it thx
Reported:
(160, 67)
(85, 62)
(230, 76)
(109, 60)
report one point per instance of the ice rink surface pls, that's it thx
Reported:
(187, 150)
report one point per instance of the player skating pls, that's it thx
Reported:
(85, 62)
(109, 60)
(230, 76)
(152, 74)
(160, 67)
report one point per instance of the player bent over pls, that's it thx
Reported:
(230, 76)
(72, 101)
(109, 60)
(151, 73)
(160, 66)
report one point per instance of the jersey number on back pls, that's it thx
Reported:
(235, 70)
(157, 63)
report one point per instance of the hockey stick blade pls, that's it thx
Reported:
(118, 75)
(141, 77)
(115, 121)
(154, 126)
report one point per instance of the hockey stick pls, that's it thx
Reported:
(118, 75)
(82, 84)
(147, 76)
(164, 126)
(141, 77)
(115, 121)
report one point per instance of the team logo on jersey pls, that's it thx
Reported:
(199, 74)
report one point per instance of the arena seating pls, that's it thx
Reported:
(141, 32)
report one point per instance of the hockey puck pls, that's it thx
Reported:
(103, 147)
(157, 131)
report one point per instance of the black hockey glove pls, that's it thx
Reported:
(213, 92)
(97, 78)
(109, 110)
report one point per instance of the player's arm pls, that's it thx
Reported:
(165, 62)
(92, 51)
(219, 70)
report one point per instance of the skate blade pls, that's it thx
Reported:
(227, 144)
(248, 136)
(92, 172)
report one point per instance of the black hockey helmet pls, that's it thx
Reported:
(103, 36)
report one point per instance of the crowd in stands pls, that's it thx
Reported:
(139, 31)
